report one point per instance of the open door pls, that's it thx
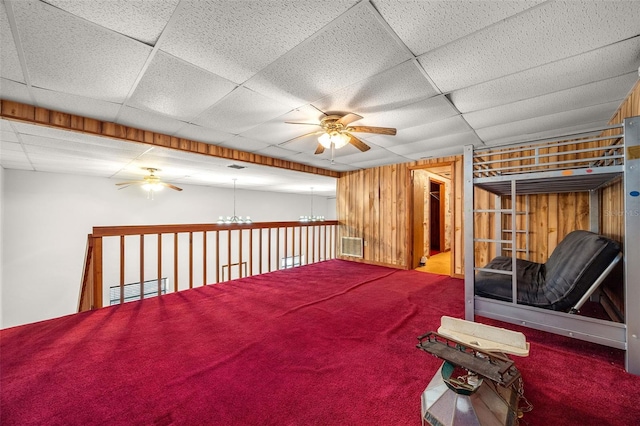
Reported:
(432, 212)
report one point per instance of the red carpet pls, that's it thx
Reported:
(331, 344)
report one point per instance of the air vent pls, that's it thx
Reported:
(351, 246)
(236, 166)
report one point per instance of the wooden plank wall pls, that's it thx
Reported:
(375, 205)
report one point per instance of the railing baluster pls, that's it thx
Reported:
(204, 258)
(239, 254)
(293, 246)
(260, 250)
(122, 268)
(217, 257)
(285, 247)
(277, 248)
(159, 264)
(269, 250)
(190, 259)
(300, 243)
(141, 266)
(250, 252)
(228, 255)
(175, 261)
(307, 248)
(313, 244)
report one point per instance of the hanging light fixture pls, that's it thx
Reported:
(338, 139)
(311, 218)
(234, 218)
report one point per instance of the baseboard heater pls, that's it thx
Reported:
(351, 246)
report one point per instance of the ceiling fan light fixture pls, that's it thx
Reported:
(336, 138)
(152, 186)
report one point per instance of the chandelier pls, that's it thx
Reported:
(233, 219)
(311, 218)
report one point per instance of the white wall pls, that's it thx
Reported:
(1, 239)
(46, 218)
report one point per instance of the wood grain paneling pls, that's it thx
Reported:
(22, 112)
(375, 205)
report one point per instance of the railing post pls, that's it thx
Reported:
(97, 273)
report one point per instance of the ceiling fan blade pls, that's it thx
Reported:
(319, 132)
(319, 149)
(168, 185)
(349, 118)
(134, 182)
(358, 143)
(369, 129)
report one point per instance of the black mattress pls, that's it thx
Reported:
(575, 264)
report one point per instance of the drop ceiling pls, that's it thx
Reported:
(232, 73)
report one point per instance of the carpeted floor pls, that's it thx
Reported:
(331, 343)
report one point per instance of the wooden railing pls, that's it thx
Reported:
(125, 257)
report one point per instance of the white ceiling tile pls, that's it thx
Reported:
(353, 156)
(351, 48)
(544, 34)
(276, 152)
(203, 134)
(432, 130)
(6, 147)
(138, 19)
(145, 120)
(390, 158)
(279, 130)
(68, 54)
(440, 152)
(551, 122)
(78, 139)
(426, 25)
(611, 61)
(417, 114)
(399, 86)
(440, 142)
(614, 89)
(9, 62)
(173, 87)
(8, 135)
(546, 134)
(241, 110)
(304, 145)
(16, 164)
(14, 91)
(78, 105)
(237, 39)
(58, 148)
(244, 144)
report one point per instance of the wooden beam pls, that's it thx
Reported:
(16, 111)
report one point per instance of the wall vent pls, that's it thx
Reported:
(351, 246)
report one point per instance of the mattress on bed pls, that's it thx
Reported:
(575, 264)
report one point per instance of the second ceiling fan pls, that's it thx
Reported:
(336, 132)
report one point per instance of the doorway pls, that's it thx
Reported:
(436, 217)
(432, 216)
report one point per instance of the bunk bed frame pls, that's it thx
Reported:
(603, 156)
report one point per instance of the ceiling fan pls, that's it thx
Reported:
(150, 183)
(336, 132)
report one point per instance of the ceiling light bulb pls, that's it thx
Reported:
(325, 140)
(340, 139)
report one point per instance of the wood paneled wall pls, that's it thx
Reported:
(375, 204)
